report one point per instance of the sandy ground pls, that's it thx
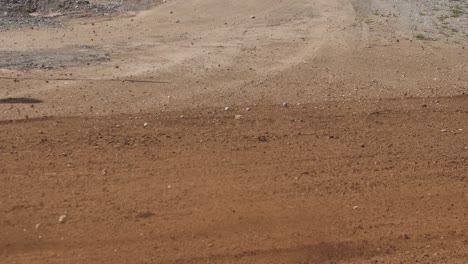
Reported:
(211, 131)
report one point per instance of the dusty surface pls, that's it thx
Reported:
(118, 123)
(353, 183)
(208, 53)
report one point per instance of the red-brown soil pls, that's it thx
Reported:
(371, 182)
(116, 125)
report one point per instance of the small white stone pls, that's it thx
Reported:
(252, 17)
(145, 124)
(285, 104)
(38, 225)
(62, 219)
(238, 117)
(226, 108)
(355, 207)
(247, 109)
(104, 172)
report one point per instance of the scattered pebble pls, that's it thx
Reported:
(226, 108)
(238, 117)
(285, 104)
(62, 219)
(145, 124)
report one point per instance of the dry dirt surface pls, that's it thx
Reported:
(382, 182)
(219, 131)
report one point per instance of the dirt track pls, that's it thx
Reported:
(119, 123)
(352, 183)
(208, 53)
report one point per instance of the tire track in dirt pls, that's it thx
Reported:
(192, 39)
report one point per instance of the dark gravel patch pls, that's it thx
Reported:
(52, 58)
(436, 20)
(19, 13)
